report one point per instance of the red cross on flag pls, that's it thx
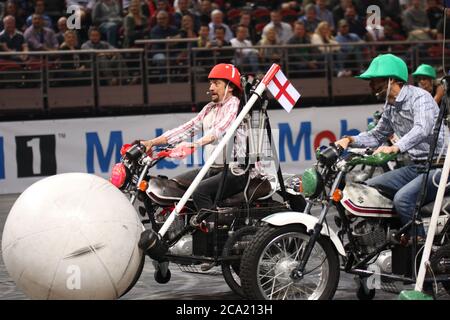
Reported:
(281, 88)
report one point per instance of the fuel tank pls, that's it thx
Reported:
(364, 201)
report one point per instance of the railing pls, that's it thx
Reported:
(174, 72)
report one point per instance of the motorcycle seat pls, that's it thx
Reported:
(184, 180)
(257, 188)
(165, 189)
(427, 210)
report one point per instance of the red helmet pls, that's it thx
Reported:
(228, 72)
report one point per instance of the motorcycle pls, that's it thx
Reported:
(298, 256)
(207, 238)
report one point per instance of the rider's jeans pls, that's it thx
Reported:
(206, 191)
(407, 181)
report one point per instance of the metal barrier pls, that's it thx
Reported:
(174, 72)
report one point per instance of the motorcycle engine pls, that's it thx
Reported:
(183, 247)
(177, 225)
(368, 234)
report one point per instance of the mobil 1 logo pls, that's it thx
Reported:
(35, 156)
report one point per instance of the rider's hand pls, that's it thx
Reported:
(148, 145)
(344, 142)
(387, 149)
(182, 150)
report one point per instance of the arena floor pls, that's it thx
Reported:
(183, 285)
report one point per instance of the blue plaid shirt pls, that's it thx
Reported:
(412, 119)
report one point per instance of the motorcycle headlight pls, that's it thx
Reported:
(311, 183)
(118, 175)
(329, 156)
(135, 152)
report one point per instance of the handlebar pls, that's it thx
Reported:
(331, 154)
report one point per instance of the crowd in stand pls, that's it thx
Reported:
(38, 25)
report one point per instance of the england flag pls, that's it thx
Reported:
(281, 88)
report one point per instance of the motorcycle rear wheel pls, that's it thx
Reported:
(273, 254)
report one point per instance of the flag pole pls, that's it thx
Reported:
(230, 132)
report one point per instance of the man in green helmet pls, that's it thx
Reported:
(425, 76)
(409, 112)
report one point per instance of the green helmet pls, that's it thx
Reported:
(386, 66)
(425, 70)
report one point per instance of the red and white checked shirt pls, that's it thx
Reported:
(226, 114)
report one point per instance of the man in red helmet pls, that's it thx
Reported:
(214, 119)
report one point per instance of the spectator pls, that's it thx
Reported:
(301, 58)
(391, 35)
(339, 10)
(440, 27)
(350, 55)
(202, 57)
(10, 9)
(282, 29)
(246, 21)
(323, 14)
(356, 24)
(107, 61)
(12, 40)
(161, 31)
(71, 63)
(161, 5)
(270, 55)
(182, 10)
(187, 29)
(415, 22)
(38, 37)
(310, 19)
(62, 28)
(136, 25)
(244, 56)
(203, 37)
(322, 35)
(106, 15)
(218, 45)
(70, 41)
(435, 12)
(217, 22)
(40, 9)
(205, 12)
(392, 10)
(95, 42)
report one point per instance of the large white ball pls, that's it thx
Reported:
(72, 236)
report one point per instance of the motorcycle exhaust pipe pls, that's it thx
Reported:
(152, 245)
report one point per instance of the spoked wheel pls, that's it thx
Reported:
(235, 246)
(273, 254)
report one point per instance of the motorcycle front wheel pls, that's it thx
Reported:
(273, 254)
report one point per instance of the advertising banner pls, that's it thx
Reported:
(31, 150)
